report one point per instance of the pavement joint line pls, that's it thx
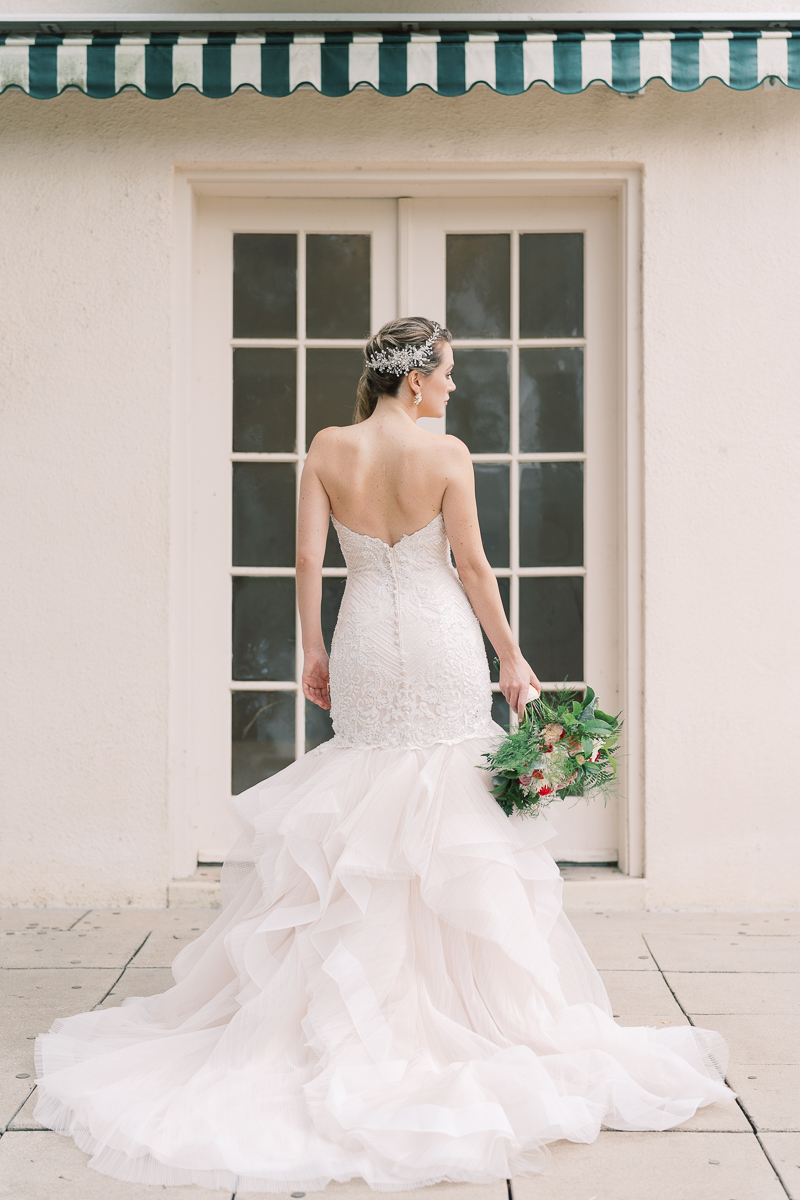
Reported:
(122, 972)
(77, 919)
(16, 1111)
(746, 1114)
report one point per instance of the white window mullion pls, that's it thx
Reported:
(262, 685)
(514, 458)
(300, 706)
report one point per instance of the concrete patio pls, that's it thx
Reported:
(735, 972)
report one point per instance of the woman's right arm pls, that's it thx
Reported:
(313, 519)
(463, 531)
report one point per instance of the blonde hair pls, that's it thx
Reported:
(394, 335)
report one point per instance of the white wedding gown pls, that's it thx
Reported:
(393, 991)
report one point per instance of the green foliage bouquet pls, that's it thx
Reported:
(562, 747)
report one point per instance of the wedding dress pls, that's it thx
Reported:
(392, 991)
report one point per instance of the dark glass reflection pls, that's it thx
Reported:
(318, 726)
(492, 496)
(262, 736)
(505, 595)
(478, 411)
(500, 712)
(263, 514)
(263, 628)
(333, 551)
(550, 285)
(332, 592)
(479, 285)
(264, 285)
(551, 626)
(337, 285)
(551, 400)
(551, 514)
(264, 400)
(331, 380)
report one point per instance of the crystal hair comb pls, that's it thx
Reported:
(403, 359)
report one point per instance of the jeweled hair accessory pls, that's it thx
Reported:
(403, 359)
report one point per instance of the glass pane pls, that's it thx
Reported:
(318, 726)
(551, 514)
(337, 285)
(478, 410)
(491, 653)
(500, 712)
(550, 285)
(263, 628)
(551, 626)
(331, 380)
(333, 551)
(262, 736)
(264, 391)
(263, 514)
(265, 285)
(332, 592)
(492, 495)
(479, 285)
(551, 400)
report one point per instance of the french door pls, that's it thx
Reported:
(286, 291)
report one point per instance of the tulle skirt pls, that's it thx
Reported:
(392, 992)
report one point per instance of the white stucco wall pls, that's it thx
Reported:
(86, 256)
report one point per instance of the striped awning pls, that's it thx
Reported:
(449, 62)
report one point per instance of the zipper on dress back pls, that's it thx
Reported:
(396, 599)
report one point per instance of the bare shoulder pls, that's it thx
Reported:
(454, 452)
(330, 440)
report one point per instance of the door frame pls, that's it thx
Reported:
(362, 181)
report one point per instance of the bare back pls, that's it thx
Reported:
(387, 478)
(384, 477)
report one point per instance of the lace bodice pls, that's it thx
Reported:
(408, 666)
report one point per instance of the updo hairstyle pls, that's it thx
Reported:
(395, 335)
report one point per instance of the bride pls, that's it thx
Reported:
(392, 991)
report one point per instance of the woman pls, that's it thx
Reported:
(393, 991)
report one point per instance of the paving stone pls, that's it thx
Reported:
(31, 1001)
(771, 1094)
(24, 1118)
(611, 951)
(139, 981)
(717, 1118)
(656, 1166)
(76, 947)
(47, 1166)
(12, 919)
(163, 945)
(752, 924)
(55, 990)
(733, 993)
(356, 1189)
(180, 920)
(710, 953)
(639, 992)
(657, 1020)
(760, 1039)
(784, 1151)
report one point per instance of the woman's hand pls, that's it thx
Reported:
(516, 679)
(316, 678)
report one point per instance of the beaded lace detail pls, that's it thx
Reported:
(408, 665)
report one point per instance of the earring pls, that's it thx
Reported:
(418, 399)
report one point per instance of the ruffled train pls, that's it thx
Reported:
(392, 992)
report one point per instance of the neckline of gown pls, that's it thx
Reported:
(403, 537)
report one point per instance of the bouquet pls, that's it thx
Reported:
(562, 747)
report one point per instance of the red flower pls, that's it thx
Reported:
(545, 791)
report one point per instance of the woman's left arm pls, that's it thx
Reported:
(313, 519)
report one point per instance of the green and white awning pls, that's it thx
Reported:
(449, 63)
